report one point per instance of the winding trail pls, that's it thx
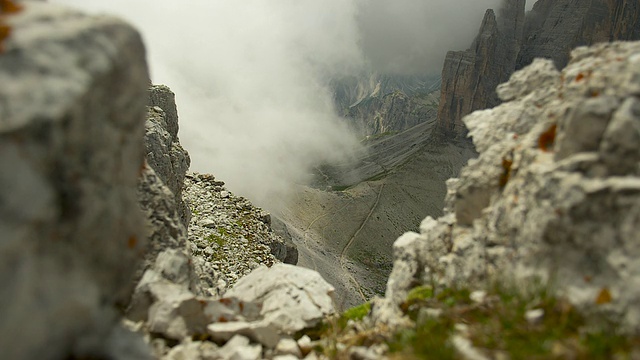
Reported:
(305, 234)
(352, 239)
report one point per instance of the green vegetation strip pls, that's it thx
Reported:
(496, 325)
(499, 328)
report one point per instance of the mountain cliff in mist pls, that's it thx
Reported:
(376, 104)
(110, 250)
(510, 40)
(393, 112)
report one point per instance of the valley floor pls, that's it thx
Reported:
(347, 234)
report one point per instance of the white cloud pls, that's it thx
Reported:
(250, 75)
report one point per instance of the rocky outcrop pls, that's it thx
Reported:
(292, 298)
(164, 152)
(72, 106)
(228, 236)
(511, 41)
(188, 269)
(254, 320)
(553, 28)
(161, 183)
(393, 112)
(469, 78)
(554, 194)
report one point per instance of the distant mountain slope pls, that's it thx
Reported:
(375, 104)
(345, 226)
(393, 112)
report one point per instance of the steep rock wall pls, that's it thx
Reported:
(469, 78)
(554, 28)
(164, 152)
(72, 106)
(512, 41)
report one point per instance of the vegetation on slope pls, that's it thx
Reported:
(505, 322)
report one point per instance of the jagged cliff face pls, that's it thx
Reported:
(553, 28)
(465, 84)
(511, 41)
(393, 112)
(379, 104)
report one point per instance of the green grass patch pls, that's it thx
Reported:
(499, 326)
(217, 239)
(355, 313)
(428, 340)
(496, 325)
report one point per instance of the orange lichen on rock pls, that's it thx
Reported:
(131, 243)
(604, 297)
(5, 31)
(9, 7)
(547, 138)
(6, 7)
(506, 171)
(582, 76)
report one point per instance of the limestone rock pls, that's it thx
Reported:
(71, 125)
(164, 152)
(193, 350)
(553, 28)
(171, 266)
(164, 227)
(228, 236)
(239, 348)
(292, 298)
(288, 347)
(281, 229)
(557, 194)
(259, 332)
(176, 313)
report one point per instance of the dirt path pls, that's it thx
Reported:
(352, 239)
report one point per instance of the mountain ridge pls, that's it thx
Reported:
(510, 40)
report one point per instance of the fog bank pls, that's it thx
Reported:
(250, 76)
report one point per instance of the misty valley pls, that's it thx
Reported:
(345, 222)
(318, 180)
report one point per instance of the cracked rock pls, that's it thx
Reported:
(292, 298)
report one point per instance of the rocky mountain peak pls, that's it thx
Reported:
(494, 51)
(511, 40)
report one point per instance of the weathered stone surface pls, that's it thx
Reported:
(288, 347)
(511, 41)
(172, 267)
(228, 236)
(239, 348)
(259, 332)
(281, 229)
(552, 199)
(201, 350)
(292, 298)
(554, 27)
(72, 106)
(164, 227)
(163, 150)
(176, 313)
